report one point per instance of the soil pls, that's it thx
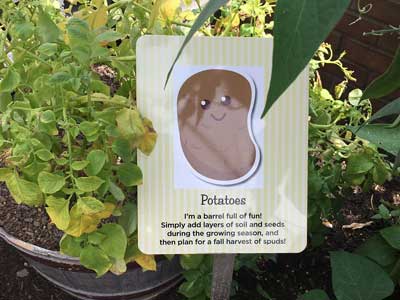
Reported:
(18, 281)
(284, 279)
(294, 274)
(108, 76)
(29, 224)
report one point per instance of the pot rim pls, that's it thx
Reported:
(37, 251)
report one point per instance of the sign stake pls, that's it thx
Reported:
(222, 276)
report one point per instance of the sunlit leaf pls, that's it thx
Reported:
(58, 211)
(89, 184)
(50, 183)
(10, 81)
(24, 191)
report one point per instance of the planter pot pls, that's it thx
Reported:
(69, 275)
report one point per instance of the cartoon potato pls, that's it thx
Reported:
(214, 110)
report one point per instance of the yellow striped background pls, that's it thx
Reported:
(284, 196)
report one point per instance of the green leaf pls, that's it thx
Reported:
(116, 191)
(58, 211)
(377, 249)
(359, 163)
(96, 237)
(387, 83)
(357, 278)
(79, 165)
(50, 183)
(97, 159)
(10, 81)
(89, 184)
(380, 174)
(44, 154)
(23, 30)
(300, 28)
(314, 295)
(109, 36)
(191, 289)
(380, 135)
(130, 124)
(122, 148)
(70, 245)
(355, 97)
(47, 29)
(80, 40)
(118, 267)
(90, 205)
(5, 173)
(89, 128)
(24, 191)
(128, 219)
(47, 117)
(5, 99)
(392, 236)
(129, 174)
(397, 161)
(190, 261)
(115, 241)
(48, 49)
(392, 108)
(95, 259)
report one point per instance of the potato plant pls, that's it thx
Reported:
(67, 142)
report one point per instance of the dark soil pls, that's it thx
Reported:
(29, 224)
(108, 76)
(284, 279)
(294, 274)
(18, 281)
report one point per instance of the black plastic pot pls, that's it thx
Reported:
(68, 274)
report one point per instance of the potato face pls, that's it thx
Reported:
(213, 109)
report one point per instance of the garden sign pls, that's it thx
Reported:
(220, 179)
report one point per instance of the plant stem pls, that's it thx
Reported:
(198, 5)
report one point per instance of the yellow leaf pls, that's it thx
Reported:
(98, 18)
(169, 8)
(62, 26)
(118, 267)
(155, 12)
(147, 142)
(163, 9)
(85, 223)
(107, 212)
(80, 223)
(58, 211)
(147, 262)
(236, 21)
(98, 3)
(187, 15)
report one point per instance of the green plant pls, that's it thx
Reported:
(68, 141)
(338, 158)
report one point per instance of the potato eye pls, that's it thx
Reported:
(226, 100)
(205, 104)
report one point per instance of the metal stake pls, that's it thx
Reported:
(222, 276)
